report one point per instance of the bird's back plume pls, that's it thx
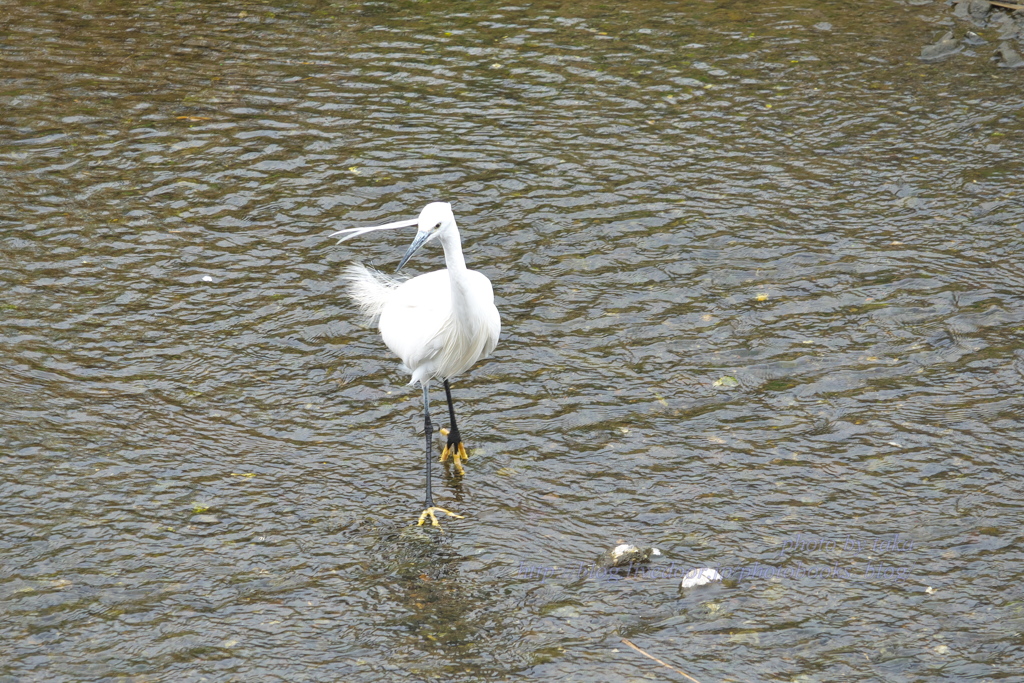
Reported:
(369, 288)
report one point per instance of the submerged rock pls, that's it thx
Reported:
(974, 10)
(624, 555)
(1001, 21)
(978, 9)
(947, 45)
(1008, 27)
(972, 38)
(1011, 58)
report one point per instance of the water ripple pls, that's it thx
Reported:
(211, 465)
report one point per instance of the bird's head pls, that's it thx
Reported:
(434, 218)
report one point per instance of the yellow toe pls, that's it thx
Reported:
(429, 512)
(458, 465)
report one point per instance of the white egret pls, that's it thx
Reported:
(439, 324)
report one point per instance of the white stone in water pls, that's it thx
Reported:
(699, 577)
(621, 550)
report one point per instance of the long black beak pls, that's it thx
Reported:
(421, 239)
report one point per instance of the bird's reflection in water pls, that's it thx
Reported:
(433, 603)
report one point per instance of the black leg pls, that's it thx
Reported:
(431, 511)
(428, 428)
(454, 438)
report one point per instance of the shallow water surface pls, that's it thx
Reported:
(759, 270)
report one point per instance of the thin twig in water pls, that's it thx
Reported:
(1006, 5)
(681, 673)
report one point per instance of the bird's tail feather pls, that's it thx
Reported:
(369, 288)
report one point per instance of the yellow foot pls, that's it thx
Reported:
(429, 512)
(457, 451)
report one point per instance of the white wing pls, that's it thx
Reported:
(412, 321)
(420, 327)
